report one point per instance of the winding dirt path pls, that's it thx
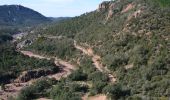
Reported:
(67, 68)
(14, 88)
(96, 61)
(31, 54)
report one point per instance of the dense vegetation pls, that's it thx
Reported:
(73, 26)
(5, 37)
(163, 3)
(6, 34)
(39, 88)
(60, 47)
(12, 63)
(75, 86)
(87, 79)
(140, 42)
(134, 47)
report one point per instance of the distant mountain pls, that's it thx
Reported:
(12, 15)
(58, 19)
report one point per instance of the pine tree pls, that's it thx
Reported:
(2, 87)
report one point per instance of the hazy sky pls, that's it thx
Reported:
(57, 8)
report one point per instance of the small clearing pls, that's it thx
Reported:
(129, 66)
(97, 97)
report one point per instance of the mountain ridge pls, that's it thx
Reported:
(12, 15)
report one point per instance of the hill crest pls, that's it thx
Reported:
(20, 15)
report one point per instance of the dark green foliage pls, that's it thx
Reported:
(86, 65)
(98, 76)
(5, 37)
(116, 91)
(36, 90)
(12, 63)
(26, 94)
(59, 19)
(97, 87)
(66, 91)
(79, 88)
(114, 61)
(163, 3)
(78, 76)
(62, 48)
(99, 81)
(2, 87)
(6, 34)
(70, 27)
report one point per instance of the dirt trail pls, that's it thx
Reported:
(13, 89)
(30, 54)
(97, 97)
(96, 60)
(67, 68)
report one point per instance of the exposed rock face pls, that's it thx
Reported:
(111, 8)
(24, 43)
(103, 6)
(107, 6)
(28, 75)
(128, 7)
(135, 14)
(111, 12)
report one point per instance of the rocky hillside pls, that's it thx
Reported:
(124, 40)
(11, 15)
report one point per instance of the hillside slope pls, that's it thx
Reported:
(11, 15)
(131, 38)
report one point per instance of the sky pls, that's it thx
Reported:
(57, 8)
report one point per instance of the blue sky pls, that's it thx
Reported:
(57, 8)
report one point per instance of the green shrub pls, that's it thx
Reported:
(98, 77)
(15, 62)
(163, 3)
(116, 61)
(79, 88)
(36, 90)
(116, 91)
(78, 76)
(64, 92)
(97, 87)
